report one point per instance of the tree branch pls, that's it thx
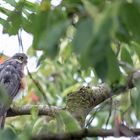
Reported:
(82, 134)
(81, 102)
(96, 96)
(26, 110)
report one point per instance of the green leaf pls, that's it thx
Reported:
(125, 55)
(38, 125)
(71, 89)
(31, 6)
(108, 67)
(12, 27)
(83, 35)
(102, 68)
(27, 24)
(11, 2)
(137, 102)
(71, 124)
(39, 24)
(90, 8)
(113, 66)
(72, 2)
(14, 20)
(129, 16)
(5, 11)
(65, 53)
(2, 21)
(136, 47)
(122, 33)
(50, 37)
(96, 51)
(8, 134)
(48, 27)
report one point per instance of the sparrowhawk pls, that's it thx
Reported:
(11, 75)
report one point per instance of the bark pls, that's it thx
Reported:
(84, 133)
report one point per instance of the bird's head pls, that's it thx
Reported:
(21, 58)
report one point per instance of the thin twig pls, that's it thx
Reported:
(37, 84)
(93, 115)
(110, 112)
(118, 46)
(30, 75)
(20, 40)
(128, 66)
(128, 108)
(91, 118)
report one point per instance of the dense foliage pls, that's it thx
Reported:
(82, 42)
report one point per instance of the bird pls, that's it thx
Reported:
(11, 82)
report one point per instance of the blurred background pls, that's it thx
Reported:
(72, 43)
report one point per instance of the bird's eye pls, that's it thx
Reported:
(20, 58)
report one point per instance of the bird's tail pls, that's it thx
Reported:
(2, 121)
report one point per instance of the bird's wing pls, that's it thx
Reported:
(10, 82)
